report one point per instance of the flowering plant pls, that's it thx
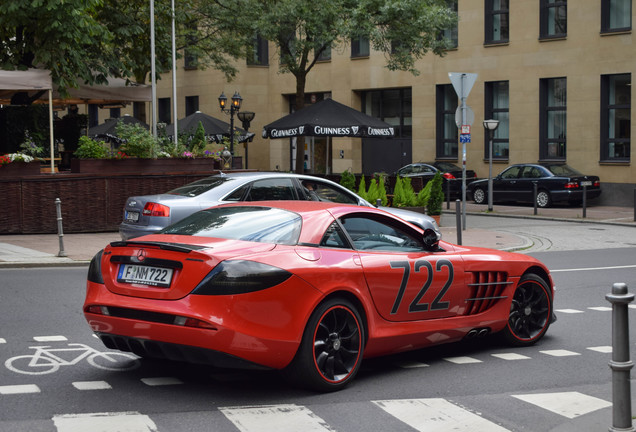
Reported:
(118, 155)
(20, 157)
(187, 154)
(5, 160)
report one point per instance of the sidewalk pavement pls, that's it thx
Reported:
(43, 250)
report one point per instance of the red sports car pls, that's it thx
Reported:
(309, 288)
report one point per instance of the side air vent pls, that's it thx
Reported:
(487, 289)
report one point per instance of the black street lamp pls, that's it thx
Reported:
(234, 107)
(490, 126)
(246, 118)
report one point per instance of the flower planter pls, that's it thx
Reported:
(144, 166)
(19, 169)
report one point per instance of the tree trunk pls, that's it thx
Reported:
(300, 141)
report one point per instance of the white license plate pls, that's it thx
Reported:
(132, 216)
(146, 275)
(586, 183)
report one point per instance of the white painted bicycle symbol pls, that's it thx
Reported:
(47, 359)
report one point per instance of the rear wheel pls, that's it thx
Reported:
(530, 312)
(543, 199)
(331, 349)
(479, 196)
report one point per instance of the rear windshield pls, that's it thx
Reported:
(198, 187)
(562, 170)
(447, 166)
(258, 224)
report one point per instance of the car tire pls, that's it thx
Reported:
(479, 196)
(543, 199)
(530, 312)
(331, 348)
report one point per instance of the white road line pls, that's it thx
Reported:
(105, 422)
(511, 356)
(50, 338)
(19, 389)
(601, 308)
(161, 381)
(437, 415)
(569, 311)
(275, 418)
(593, 268)
(411, 364)
(601, 349)
(92, 385)
(462, 360)
(567, 404)
(560, 353)
(2, 340)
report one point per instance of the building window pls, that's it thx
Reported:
(258, 54)
(115, 112)
(554, 18)
(164, 110)
(93, 115)
(616, 112)
(497, 21)
(392, 106)
(616, 15)
(191, 105)
(446, 129)
(497, 108)
(553, 118)
(360, 47)
(325, 55)
(451, 34)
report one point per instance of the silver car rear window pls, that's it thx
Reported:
(258, 224)
(200, 186)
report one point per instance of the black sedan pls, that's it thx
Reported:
(451, 174)
(556, 183)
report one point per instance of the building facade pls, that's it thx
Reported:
(557, 75)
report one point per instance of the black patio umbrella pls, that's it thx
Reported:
(328, 118)
(215, 129)
(108, 129)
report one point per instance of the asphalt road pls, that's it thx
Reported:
(561, 384)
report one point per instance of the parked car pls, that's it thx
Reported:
(149, 213)
(555, 183)
(307, 288)
(451, 174)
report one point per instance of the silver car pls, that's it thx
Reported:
(150, 213)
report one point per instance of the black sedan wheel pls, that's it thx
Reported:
(530, 312)
(331, 349)
(479, 196)
(543, 199)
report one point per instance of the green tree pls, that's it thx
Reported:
(362, 188)
(410, 199)
(382, 191)
(436, 197)
(372, 194)
(198, 140)
(398, 193)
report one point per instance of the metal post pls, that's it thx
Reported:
(536, 191)
(458, 217)
(447, 194)
(491, 133)
(634, 204)
(584, 202)
(620, 363)
(60, 232)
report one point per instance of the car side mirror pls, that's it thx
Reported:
(431, 239)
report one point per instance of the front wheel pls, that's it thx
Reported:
(331, 349)
(530, 312)
(479, 196)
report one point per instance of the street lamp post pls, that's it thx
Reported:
(246, 118)
(490, 126)
(235, 106)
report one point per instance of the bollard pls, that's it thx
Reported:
(584, 201)
(60, 232)
(458, 216)
(620, 363)
(447, 194)
(378, 202)
(536, 192)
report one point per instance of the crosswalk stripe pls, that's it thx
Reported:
(436, 415)
(19, 389)
(567, 404)
(91, 385)
(510, 356)
(105, 422)
(560, 353)
(462, 360)
(275, 418)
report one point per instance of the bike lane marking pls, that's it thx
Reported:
(113, 421)
(19, 389)
(50, 338)
(92, 385)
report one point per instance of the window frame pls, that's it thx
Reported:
(547, 6)
(606, 108)
(259, 55)
(545, 141)
(444, 137)
(191, 105)
(489, 20)
(356, 43)
(490, 112)
(606, 17)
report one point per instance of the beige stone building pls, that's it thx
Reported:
(558, 76)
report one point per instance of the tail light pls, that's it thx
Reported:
(448, 176)
(597, 183)
(239, 277)
(156, 209)
(571, 185)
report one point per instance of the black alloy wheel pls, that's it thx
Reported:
(530, 312)
(331, 349)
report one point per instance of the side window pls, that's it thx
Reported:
(238, 194)
(511, 173)
(380, 235)
(271, 189)
(334, 237)
(319, 191)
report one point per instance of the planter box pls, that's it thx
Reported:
(144, 166)
(19, 169)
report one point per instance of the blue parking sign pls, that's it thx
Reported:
(464, 138)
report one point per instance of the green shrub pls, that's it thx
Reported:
(372, 193)
(90, 149)
(362, 188)
(138, 141)
(424, 195)
(436, 198)
(398, 193)
(410, 199)
(197, 146)
(348, 180)
(382, 191)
